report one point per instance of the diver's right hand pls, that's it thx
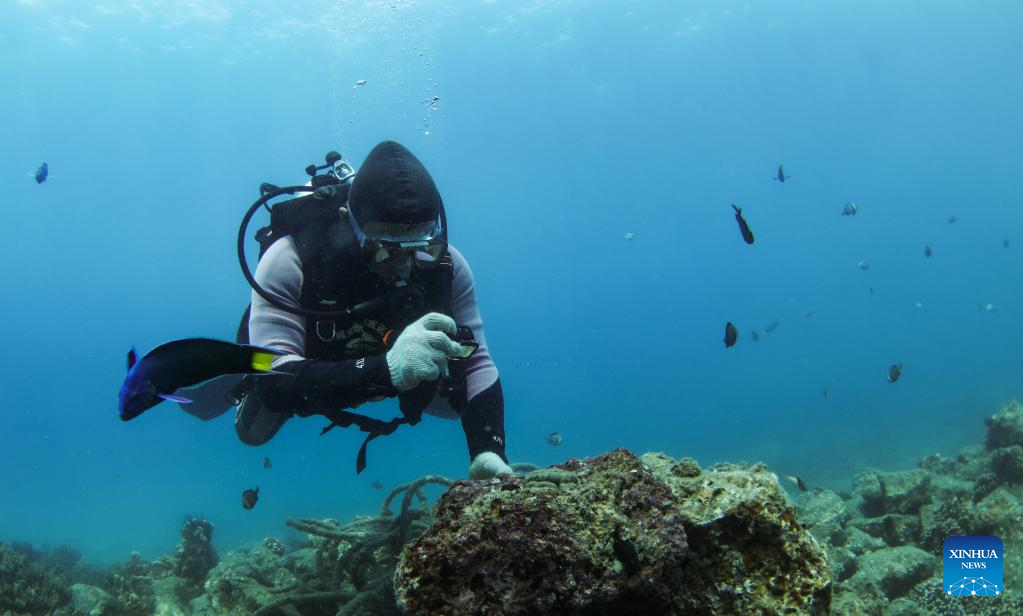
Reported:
(422, 350)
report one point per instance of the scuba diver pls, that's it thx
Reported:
(359, 288)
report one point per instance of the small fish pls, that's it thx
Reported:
(249, 498)
(850, 209)
(894, 372)
(266, 462)
(863, 265)
(1005, 243)
(630, 236)
(754, 335)
(747, 235)
(824, 393)
(808, 314)
(42, 173)
(360, 82)
(928, 252)
(919, 305)
(781, 177)
(182, 363)
(798, 482)
(871, 289)
(952, 220)
(554, 439)
(773, 325)
(376, 485)
(731, 334)
(987, 308)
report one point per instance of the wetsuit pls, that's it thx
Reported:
(313, 385)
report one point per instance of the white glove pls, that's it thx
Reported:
(422, 350)
(488, 465)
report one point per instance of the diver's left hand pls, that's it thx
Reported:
(488, 465)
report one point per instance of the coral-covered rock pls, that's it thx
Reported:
(905, 491)
(869, 492)
(860, 542)
(195, 555)
(1005, 428)
(603, 532)
(609, 535)
(88, 600)
(945, 519)
(984, 485)
(29, 588)
(1007, 464)
(895, 529)
(895, 571)
(825, 514)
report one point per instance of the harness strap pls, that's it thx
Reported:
(374, 427)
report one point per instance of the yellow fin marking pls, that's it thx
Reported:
(261, 361)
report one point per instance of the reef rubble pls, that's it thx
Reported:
(613, 534)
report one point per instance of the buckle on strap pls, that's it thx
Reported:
(320, 330)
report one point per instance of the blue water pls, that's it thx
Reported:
(560, 127)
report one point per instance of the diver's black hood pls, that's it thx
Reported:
(392, 186)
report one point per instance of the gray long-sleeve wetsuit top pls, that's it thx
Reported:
(280, 274)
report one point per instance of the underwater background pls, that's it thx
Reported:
(559, 128)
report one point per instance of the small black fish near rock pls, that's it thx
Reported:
(928, 252)
(266, 462)
(747, 235)
(731, 334)
(42, 173)
(894, 372)
(798, 482)
(249, 498)
(781, 177)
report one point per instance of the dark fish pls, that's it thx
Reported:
(249, 498)
(781, 177)
(266, 462)
(554, 439)
(894, 372)
(773, 325)
(824, 392)
(41, 173)
(927, 251)
(798, 482)
(182, 363)
(747, 235)
(952, 220)
(754, 335)
(850, 209)
(808, 313)
(731, 334)
(1005, 243)
(871, 290)
(376, 485)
